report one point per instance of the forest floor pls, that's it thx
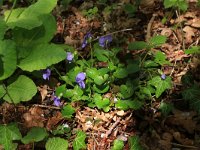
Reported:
(179, 130)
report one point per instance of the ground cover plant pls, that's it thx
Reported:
(99, 74)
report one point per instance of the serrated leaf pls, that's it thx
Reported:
(28, 17)
(38, 35)
(8, 133)
(120, 73)
(193, 50)
(68, 111)
(8, 59)
(3, 28)
(192, 95)
(56, 143)
(160, 84)
(36, 134)
(42, 56)
(137, 45)
(79, 141)
(23, 89)
(2, 91)
(118, 145)
(134, 143)
(157, 40)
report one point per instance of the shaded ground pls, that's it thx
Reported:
(178, 130)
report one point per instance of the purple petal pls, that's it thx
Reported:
(56, 101)
(46, 74)
(86, 37)
(70, 56)
(163, 76)
(105, 40)
(82, 84)
(80, 77)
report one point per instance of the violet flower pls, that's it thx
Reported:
(80, 79)
(70, 57)
(163, 76)
(56, 101)
(104, 40)
(85, 40)
(46, 74)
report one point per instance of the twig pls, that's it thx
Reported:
(173, 68)
(44, 106)
(111, 128)
(184, 146)
(148, 36)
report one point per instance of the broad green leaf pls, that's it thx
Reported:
(126, 91)
(137, 45)
(157, 40)
(2, 91)
(120, 73)
(38, 35)
(132, 68)
(192, 95)
(60, 90)
(3, 28)
(129, 8)
(126, 104)
(160, 58)
(8, 59)
(101, 89)
(28, 18)
(23, 89)
(193, 50)
(150, 63)
(42, 56)
(79, 141)
(8, 133)
(99, 80)
(102, 55)
(118, 145)
(92, 73)
(102, 103)
(134, 143)
(160, 84)
(56, 143)
(165, 108)
(36, 134)
(68, 111)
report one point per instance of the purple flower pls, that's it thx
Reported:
(104, 40)
(70, 57)
(80, 79)
(46, 74)
(56, 101)
(163, 76)
(85, 40)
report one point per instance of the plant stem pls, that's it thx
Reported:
(13, 6)
(5, 88)
(91, 54)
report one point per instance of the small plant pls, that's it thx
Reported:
(177, 4)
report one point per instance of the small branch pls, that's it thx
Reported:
(111, 128)
(184, 146)
(49, 107)
(148, 36)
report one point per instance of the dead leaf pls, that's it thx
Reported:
(189, 34)
(53, 121)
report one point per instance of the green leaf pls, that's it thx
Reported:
(193, 50)
(126, 104)
(101, 89)
(160, 84)
(165, 108)
(129, 8)
(150, 63)
(2, 91)
(79, 141)
(126, 91)
(38, 35)
(157, 40)
(101, 103)
(28, 18)
(102, 55)
(118, 145)
(160, 58)
(60, 90)
(8, 59)
(8, 133)
(36, 134)
(134, 143)
(137, 45)
(68, 111)
(3, 28)
(42, 56)
(120, 73)
(192, 95)
(23, 89)
(56, 143)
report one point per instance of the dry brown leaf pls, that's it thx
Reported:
(196, 23)
(53, 121)
(189, 34)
